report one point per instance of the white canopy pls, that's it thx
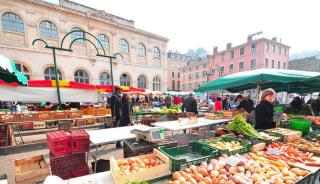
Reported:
(46, 94)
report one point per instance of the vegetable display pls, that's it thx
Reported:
(304, 145)
(132, 165)
(240, 126)
(247, 169)
(233, 145)
(285, 152)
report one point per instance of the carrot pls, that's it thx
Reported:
(315, 164)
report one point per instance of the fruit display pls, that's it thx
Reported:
(304, 145)
(313, 136)
(240, 126)
(233, 145)
(247, 169)
(287, 153)
(315, 120)
(132, 165)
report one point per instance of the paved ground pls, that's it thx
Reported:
(7, 166)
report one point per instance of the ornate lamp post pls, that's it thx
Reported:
(218, 68)
(61, 48)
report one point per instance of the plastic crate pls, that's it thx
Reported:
(246, 146)
(80, 122)
(80, 141)
(80, 172)
(64, 125)
(67, 163)
(300, 125)
(26, 125)
(59, 143)
(280, 137)
(132, 148)
(309, 179)
(182, 157)
(39, 125)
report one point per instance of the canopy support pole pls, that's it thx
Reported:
(258, 93)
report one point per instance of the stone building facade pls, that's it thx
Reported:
(21, 21)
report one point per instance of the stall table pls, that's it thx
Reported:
(100, 138)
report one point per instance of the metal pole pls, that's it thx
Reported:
(57, 77)
(207, 83)
(111, 74)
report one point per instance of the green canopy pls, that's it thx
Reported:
(9, 72)
(280, 80)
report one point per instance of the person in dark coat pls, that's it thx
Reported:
(126, 110)
(264, 110)
(116, 109)
(190, 104)
(246, 104)
(296, 103)
(226, 103)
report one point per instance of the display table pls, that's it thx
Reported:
(176, 126)
(100, 138)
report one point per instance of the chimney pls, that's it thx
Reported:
(215, 50)
(274, 39)
(229, 45)
(249, 39)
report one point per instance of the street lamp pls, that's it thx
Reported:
(218, 68)
(61, 48)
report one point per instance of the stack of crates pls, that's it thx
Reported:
(5, 135)
(68, 153)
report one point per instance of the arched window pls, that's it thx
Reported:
(123, 46)
(141, 50)
(104, 41)
(156, 84)
(156, 53)
(23, 69)
(105, 78)
(81, 76)
(124, 80)
(142, 82)
(76, 35)
(12, 22)
(48, 29)
(50, 75)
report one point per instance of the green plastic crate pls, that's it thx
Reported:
(246, 146)
(278, 109)
(300, 125)
(274, 134)
(182, 157)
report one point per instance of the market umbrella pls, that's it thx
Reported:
(9, 72)
(280, 80)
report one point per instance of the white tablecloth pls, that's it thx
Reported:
(104, 136)
(175, 125)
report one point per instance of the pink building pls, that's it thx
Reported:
(254, 54)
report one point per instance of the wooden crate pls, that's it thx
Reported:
(228, 114)
(148, 173)
(99, 112)
(31, 170)
(7, 117)
(74, 114)
(80, 122)
(26, 125)
(210, 116)
(90, 121)
(27, 117)
(43, 115)
(39, 125)
(287, 133)
(59, 115)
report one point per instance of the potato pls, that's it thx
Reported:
(199, 177)
(207, 180)
(193, 181)
(214, 174)
(222, 171)
(182, 179)
(176, 175)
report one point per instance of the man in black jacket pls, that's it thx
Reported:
(190, 104)
(246, 104)
(116, 109)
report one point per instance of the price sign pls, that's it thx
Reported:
(273, 151)
(233, 161)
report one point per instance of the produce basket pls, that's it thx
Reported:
(246, 146)
(182, 157)
(148, 173)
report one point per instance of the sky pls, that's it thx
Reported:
(209, 23)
